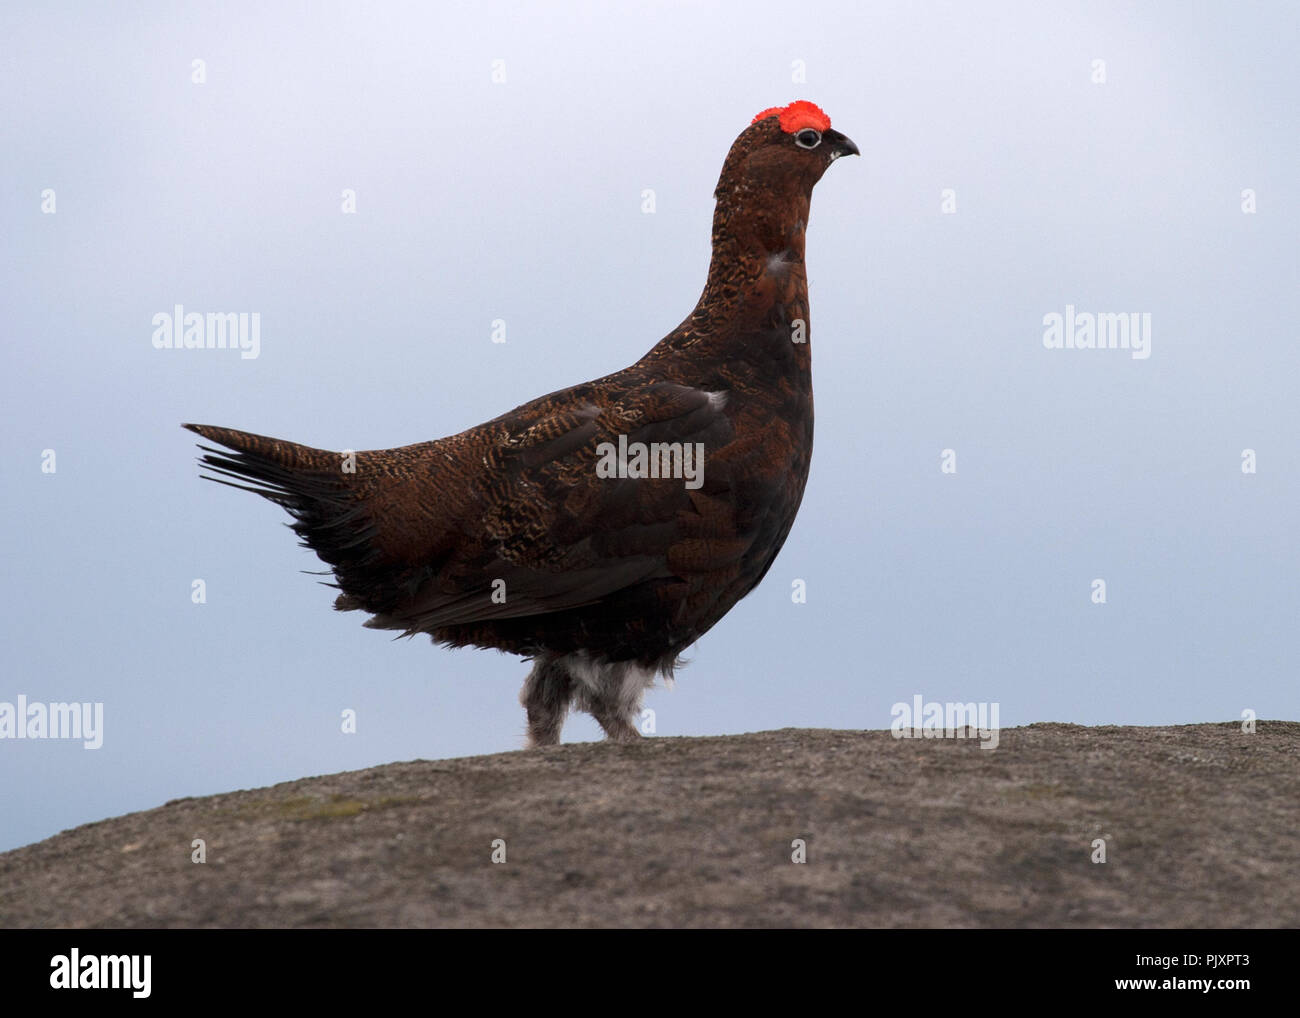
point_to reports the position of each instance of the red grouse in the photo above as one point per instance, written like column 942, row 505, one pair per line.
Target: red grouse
column 600, row 530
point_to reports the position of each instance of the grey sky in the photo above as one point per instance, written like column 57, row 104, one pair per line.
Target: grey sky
column 522, row 201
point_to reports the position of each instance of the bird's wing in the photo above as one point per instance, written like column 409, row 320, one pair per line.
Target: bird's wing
column 521, row 517
column 512, row 518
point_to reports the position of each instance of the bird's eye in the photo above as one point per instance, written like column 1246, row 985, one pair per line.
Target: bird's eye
column 808, row 138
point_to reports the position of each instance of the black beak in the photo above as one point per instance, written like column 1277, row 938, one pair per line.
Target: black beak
column 840, row 144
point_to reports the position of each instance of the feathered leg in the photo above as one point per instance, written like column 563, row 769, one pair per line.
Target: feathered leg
column 545, row 696
column 618, row 725
column 611, row 692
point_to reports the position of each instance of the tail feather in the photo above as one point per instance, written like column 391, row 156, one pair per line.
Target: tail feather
column 329, row 512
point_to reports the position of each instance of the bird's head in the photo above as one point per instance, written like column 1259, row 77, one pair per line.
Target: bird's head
column 785, row 149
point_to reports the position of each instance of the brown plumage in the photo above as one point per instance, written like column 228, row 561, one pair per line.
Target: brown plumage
column 511, row 534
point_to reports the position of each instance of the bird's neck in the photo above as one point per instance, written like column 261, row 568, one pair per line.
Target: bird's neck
column 756, row 295
column 752, row 318
column 754, row 229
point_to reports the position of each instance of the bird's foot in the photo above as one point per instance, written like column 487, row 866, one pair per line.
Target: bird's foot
column 619, row 729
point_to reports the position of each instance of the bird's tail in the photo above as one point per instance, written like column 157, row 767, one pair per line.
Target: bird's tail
column 315, row 486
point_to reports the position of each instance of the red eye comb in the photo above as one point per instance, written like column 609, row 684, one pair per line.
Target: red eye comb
column 797, row 116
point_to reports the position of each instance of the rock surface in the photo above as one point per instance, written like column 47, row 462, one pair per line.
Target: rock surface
column 1200, row 824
